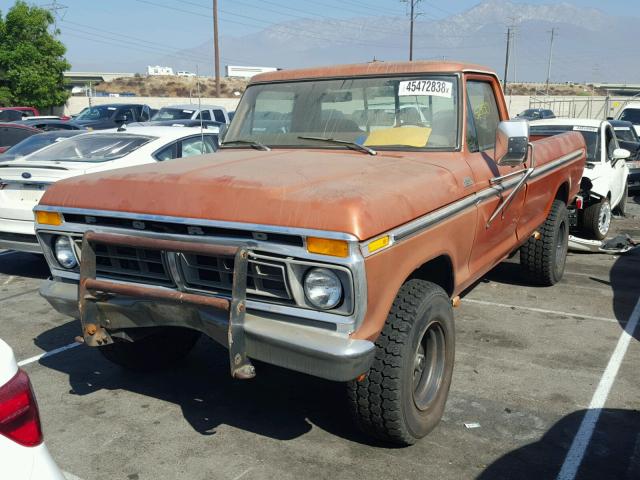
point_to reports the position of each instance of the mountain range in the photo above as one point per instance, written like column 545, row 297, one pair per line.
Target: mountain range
column 590, row 45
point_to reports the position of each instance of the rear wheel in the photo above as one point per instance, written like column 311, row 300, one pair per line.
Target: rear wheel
column 159, row 349
column 543, row 260
column 403, row 396
column 596, row 219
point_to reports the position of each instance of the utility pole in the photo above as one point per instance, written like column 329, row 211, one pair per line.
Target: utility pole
column 553, row 32
column 216, row 51
column 506, row 62
column 412, row 18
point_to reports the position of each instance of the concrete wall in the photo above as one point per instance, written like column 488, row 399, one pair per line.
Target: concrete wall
column 75, row 104
column 563, row 106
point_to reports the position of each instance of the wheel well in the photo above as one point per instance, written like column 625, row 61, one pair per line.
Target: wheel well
column 563, row 193
column 438, row 270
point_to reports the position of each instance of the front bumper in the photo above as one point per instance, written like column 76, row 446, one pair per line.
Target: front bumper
column 18, row 235
column 270, row 338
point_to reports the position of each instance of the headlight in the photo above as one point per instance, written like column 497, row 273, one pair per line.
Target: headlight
column 64, row 252
column 322, row 288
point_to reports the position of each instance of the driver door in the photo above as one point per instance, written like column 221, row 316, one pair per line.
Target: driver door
column 618, row 169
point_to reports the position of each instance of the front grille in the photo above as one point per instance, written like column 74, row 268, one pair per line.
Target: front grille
column 137, row 265
column 182, row 229
column 215, row 274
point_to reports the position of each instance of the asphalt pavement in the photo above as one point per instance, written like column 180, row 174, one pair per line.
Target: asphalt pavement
column 546, row 382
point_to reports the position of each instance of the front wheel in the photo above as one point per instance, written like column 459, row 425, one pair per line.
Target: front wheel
column 403, row 396
column 159, row 349
column 597, row 219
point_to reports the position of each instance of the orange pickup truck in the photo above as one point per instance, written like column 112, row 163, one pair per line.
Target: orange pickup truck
column 348, row 208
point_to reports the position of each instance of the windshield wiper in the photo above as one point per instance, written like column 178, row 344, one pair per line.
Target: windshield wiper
column 252, row 143
column 352, row 145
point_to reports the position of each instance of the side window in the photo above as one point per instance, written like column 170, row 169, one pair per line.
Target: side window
column 472, row 136
column 197, row 146
column 610, row 142
column 204, row 114
column 167, row 153
column 485, row 113
column 219, row 116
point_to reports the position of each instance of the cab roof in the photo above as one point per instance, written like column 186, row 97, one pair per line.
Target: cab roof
column 375, row 68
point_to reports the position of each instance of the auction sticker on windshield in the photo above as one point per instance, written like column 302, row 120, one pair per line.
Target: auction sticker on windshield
column 580, row 128
column 435, row 88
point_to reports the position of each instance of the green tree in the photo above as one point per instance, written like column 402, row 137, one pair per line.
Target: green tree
column 31, row 58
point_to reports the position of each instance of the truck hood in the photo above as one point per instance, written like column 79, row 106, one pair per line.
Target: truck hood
column 326, row 190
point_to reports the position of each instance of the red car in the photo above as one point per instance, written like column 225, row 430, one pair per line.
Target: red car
column 10, row 134
column 10, row 114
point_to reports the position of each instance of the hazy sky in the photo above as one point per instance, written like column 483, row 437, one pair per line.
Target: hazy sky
column 99, row 34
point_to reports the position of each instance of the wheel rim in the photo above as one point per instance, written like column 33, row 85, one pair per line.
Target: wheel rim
column 604, row 220
column 428, row 366
column 561, row 247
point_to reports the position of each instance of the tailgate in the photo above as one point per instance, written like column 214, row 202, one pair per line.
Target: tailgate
column 17, row 199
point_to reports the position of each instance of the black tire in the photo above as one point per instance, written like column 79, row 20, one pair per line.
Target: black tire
column 398, row 401
column 543, row 260
column 622, row 206
column 596, row 219
column 158, row 350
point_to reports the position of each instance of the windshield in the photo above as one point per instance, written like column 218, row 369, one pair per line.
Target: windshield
column 530, row 113
column 626, row 134
column 96, row 113
column 99, row 147
column 173, row 114
column 381, row 112
column 631, row 115
column 36, row 142
column 590, row 135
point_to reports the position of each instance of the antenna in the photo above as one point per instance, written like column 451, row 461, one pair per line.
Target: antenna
column 200, row 110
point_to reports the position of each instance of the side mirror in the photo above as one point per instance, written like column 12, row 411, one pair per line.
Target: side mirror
column 120, row 119
column 620, row 154
column 609, row 118
column 512, row 142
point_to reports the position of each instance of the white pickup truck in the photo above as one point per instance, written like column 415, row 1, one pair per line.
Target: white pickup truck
column 604, row 182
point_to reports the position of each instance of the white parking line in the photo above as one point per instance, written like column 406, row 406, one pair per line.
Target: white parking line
column 50, row 353
column 583, row 437
column 540, row 310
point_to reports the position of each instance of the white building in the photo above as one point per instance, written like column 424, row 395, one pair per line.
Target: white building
column 247, row 72
column 184, row 73
column 158, row 70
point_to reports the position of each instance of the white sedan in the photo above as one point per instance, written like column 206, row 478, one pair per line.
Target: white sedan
column 604, row 180
column 23, row 181
column 23, row 454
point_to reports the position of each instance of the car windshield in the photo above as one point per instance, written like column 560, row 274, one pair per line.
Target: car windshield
column 174, row 114
column 97, row 113
column 590, row 134
column 626, row 134
column 631, row 115
column 99, row 147
column 36, row 142
column 530, row 113
column 381, row 112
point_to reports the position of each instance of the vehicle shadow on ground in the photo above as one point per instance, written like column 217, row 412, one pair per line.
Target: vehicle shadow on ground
column 613, row 452
column 278, row 403
column 24, row 265
column 625, row 274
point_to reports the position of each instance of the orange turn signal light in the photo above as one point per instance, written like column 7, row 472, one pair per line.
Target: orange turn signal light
column 326, row 246
column 48, row 218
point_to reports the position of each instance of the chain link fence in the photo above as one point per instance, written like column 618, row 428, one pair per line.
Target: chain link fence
column 583, row 107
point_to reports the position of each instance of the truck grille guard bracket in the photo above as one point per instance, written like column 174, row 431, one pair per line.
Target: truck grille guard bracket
column 92, row 290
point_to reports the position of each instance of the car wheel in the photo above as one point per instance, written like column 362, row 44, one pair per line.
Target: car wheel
column 403, row 395
column 596, row 219
column 543, row 260
column 160, row 349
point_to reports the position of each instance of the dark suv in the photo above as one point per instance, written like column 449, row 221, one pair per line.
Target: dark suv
column 101, row 117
